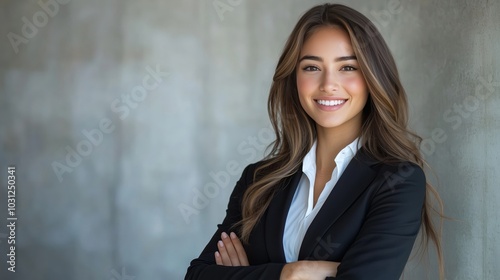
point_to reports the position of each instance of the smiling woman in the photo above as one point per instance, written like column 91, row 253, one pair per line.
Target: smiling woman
column 328, row 79
column 342, row 194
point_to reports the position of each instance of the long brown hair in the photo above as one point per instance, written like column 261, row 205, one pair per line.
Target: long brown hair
column 385, row 135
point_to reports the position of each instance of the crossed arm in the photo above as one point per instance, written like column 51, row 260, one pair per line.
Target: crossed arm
column 231, row 253
column 380, row 250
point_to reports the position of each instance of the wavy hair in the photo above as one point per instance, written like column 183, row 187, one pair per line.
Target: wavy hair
column 384, row 132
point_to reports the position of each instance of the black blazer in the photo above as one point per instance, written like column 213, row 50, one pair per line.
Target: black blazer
column 369, row 223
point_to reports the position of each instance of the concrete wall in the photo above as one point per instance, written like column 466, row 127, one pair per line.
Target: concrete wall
column 140, row 104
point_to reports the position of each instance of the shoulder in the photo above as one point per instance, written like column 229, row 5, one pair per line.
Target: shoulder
column 393, row 171
column 404, row 182
column 247, row 176
column 249, row 171
column 404, row 170
column 254, row 170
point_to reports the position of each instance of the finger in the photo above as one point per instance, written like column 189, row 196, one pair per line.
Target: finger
column 240, row 250
column 218, row 258
column 231, row 251
column 223, row 253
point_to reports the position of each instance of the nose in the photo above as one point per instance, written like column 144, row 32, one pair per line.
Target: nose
column 329, row 82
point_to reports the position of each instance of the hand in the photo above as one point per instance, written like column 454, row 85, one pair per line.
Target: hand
column 310, row 270
column 231, row 251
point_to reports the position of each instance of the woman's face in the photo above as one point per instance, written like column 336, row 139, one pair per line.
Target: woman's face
column 332, row 89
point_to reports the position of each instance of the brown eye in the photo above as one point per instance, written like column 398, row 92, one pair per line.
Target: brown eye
column 310, row 68
column 348, row 68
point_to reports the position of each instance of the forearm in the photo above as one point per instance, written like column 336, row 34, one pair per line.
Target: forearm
column 310, row 270
column 199, row 270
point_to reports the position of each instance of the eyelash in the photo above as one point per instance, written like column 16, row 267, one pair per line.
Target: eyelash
column 308, row 67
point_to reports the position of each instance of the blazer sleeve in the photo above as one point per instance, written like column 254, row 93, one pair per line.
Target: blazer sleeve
column 204, row 267
column 384, row 243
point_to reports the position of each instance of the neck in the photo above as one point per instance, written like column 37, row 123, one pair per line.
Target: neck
column 330, row 141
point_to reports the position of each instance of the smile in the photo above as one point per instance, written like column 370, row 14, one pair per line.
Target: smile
column 331, row 102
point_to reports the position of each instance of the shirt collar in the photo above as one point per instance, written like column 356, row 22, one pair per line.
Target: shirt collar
column 350, row 150
column 309, row 162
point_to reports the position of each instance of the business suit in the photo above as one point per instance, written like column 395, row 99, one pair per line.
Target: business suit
column 369, row 223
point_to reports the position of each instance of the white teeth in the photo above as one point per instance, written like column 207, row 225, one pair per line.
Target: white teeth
column 331, row 102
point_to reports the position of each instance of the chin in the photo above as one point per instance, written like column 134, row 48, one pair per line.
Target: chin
column 329, row 124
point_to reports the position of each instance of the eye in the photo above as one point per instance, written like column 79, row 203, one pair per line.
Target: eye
column 348, row 68
column 310, row 68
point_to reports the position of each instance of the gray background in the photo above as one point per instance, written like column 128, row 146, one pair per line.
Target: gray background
column 117, row 215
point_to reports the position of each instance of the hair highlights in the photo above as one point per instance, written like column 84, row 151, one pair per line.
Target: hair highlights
column 385, row 134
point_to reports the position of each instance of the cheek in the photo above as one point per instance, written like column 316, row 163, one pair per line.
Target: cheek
column 305, row 88
column 355, row 86
column 306, row 84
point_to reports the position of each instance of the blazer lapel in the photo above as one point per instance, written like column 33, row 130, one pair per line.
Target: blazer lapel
column 354, row 180
column 276, row 217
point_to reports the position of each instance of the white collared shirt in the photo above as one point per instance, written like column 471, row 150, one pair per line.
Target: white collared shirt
column 302, row 212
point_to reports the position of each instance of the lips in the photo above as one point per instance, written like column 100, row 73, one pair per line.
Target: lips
column 331, row 102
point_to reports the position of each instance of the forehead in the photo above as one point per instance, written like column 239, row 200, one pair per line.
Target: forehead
column 328, row 41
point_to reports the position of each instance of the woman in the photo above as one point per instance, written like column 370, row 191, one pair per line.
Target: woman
column 342, row 194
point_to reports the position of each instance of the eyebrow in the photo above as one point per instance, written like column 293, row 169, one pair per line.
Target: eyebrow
column 317, row 58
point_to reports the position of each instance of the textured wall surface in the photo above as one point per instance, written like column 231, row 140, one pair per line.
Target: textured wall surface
column 130, row 121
